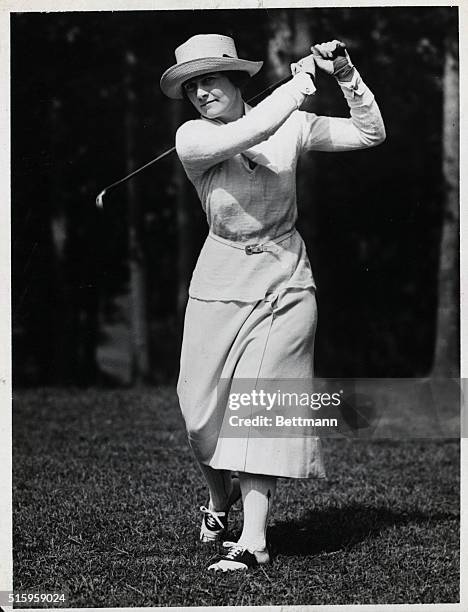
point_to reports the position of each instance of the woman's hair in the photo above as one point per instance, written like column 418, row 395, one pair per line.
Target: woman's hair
column 238, row 78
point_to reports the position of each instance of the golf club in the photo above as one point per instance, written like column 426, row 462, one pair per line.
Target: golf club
column 339, row 51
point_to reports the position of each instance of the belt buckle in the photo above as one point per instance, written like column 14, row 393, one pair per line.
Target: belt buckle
column 250, row 249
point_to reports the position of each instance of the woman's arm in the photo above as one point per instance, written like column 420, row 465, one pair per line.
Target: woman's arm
column 201, row 144
column 365, row 128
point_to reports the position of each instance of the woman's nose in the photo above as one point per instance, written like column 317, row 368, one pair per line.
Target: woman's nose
column 201, row 93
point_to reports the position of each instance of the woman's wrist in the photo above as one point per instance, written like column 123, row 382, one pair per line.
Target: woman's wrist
column 343, row 69
column 300, row 86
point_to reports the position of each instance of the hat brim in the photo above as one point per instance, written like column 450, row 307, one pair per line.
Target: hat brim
column 172, row 79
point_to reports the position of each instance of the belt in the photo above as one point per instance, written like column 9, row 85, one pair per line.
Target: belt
column 251, row 249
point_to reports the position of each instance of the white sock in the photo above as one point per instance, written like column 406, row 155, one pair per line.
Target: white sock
column 220, row 486
column 257, row 496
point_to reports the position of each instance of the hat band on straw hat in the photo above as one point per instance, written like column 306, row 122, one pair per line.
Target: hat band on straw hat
column 203, row 54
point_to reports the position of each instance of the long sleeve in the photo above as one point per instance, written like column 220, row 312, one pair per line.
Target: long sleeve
column 201, row 144
column 365, row 127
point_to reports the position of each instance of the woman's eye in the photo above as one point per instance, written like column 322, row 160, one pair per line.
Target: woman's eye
column 189, row 87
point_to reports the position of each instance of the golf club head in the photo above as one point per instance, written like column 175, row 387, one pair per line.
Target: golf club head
column 100, row 199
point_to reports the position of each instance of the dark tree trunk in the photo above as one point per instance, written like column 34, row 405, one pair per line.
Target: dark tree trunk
column 63, row 338
column 137, row 265
column 184, row 233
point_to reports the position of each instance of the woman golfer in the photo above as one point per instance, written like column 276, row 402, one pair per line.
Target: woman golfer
column 252, row 312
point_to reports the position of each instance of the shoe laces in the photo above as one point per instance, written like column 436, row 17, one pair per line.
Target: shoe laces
column 235, row 550
column 212, row 519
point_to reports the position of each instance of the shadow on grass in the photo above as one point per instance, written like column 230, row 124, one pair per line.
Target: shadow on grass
column 339, row 529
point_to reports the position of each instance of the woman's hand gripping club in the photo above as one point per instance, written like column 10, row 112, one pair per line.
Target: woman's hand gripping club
column 331, row 57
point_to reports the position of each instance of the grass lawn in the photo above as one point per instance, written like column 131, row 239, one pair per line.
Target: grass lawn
column 106, row 506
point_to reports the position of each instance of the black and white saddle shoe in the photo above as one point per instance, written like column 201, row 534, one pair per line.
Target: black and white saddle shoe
column 214, row 524
column 238, row 558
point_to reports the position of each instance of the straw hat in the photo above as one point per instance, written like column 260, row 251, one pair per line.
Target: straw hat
column 202, row 54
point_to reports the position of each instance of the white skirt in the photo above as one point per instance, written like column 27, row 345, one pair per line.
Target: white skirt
column 271, row 339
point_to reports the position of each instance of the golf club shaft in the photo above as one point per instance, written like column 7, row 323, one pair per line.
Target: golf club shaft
column 112, row 186
column 99, row 198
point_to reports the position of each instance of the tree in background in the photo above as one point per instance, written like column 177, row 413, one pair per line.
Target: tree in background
column 184, row 230
column 447, row 345
column 136, row 253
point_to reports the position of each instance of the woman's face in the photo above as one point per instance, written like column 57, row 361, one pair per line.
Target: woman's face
column 215, row 97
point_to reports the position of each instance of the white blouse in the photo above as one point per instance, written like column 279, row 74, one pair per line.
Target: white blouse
column 246, row 206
